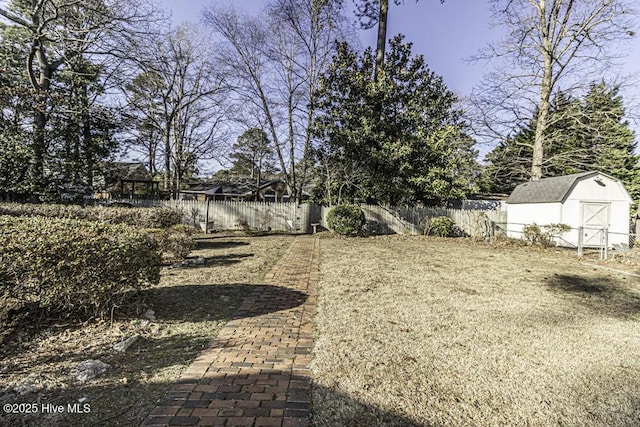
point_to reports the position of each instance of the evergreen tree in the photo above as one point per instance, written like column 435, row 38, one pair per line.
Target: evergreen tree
column 394, row 140
column 15, row 111
column 81, row 129
column 584, row 134
column 53, row 36
column 253, row 155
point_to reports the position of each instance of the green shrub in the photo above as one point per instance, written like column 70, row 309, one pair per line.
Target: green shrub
column 176, row 241
column 179, row 243
column 544, row 236
column 159, row 217
column 73, row 267
column 347, row 220
column 156, row 217
column 442, row 226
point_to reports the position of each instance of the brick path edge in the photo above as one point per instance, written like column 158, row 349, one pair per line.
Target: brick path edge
column 256, row 372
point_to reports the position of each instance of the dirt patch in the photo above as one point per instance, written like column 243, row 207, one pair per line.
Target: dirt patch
column 427, row 331
column 188, row 307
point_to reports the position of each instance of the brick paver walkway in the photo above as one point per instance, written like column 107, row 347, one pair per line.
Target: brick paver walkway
column 256, row 372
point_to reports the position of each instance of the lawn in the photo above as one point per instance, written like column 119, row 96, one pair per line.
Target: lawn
column 190, row 305
column 426, row 331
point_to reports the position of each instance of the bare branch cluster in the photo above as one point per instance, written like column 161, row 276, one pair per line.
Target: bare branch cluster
column 550, row 46
column 273, row 63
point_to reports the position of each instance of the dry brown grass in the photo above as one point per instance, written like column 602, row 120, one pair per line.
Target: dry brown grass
column 425, row 331
column 190, row 304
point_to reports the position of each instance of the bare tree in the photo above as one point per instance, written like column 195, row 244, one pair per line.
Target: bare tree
column 274, row 63
column 176, row 100
column 550, row 46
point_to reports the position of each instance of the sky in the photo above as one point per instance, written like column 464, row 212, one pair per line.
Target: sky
column 446, row 34
column 435, row 29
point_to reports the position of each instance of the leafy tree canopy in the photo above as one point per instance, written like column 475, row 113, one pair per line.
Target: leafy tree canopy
column 395, row 140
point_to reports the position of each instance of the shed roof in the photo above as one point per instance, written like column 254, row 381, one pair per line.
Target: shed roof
column 549, row 190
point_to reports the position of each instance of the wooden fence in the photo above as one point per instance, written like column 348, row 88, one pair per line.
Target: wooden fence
column 219, row 215
column 292, row 217
column 383, row 220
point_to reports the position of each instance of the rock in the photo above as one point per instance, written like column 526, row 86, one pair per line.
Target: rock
column 143, row 323
column 90, row 369
column 26, row 388
column 149, row 314
column 200, row 260
column 31, row 384
column 122, row 346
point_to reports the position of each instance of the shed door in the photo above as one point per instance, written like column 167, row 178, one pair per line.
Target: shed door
column 595, row 217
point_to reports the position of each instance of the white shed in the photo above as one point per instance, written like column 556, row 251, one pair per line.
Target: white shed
column 591, row 200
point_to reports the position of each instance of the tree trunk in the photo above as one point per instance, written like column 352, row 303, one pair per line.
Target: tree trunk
column 41, row 85
column 544, row 106
column 259, row 173
column 36, row 168
column 538, row 143
column 293, row 189
column 167, row 157
column 87, row 138
column 382, row 36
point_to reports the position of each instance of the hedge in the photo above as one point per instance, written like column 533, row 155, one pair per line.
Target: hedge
column 176, row 242
column 72, row 267
column 156, row 217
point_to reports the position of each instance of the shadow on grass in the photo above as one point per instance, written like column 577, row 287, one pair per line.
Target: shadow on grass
column 140, row 377
column 122, row 396
column 113, row 404
column 186, row 303
column 195, row 303
column 210, row 261
column 229, row 259
column 208, row 243
column 605, row 295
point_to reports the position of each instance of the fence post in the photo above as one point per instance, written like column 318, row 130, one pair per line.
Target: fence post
column 206, row 218
column 605, row 232
column 580, row 240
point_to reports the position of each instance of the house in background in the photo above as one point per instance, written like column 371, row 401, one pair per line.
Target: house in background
column 587, row 201
column 126, row 179
column 269, row 191
column 221, row 191
column 273, row 191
